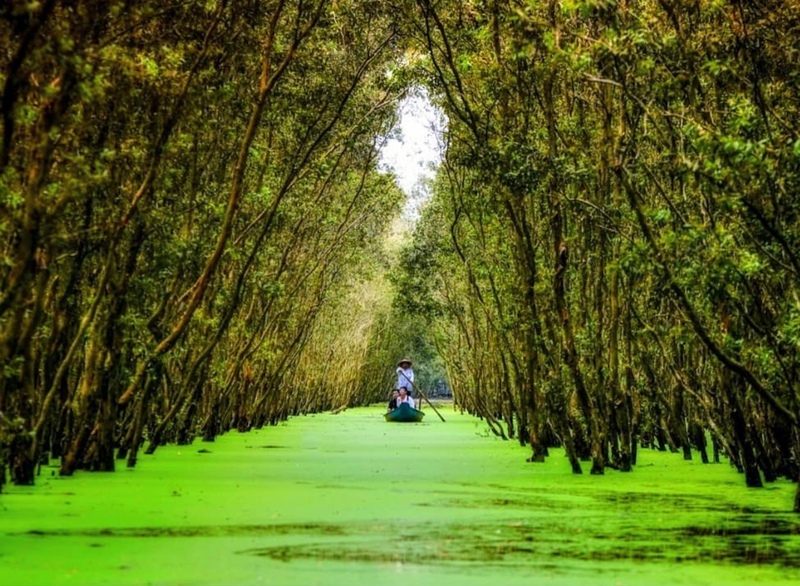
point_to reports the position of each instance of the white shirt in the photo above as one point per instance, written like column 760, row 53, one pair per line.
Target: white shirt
column 405, row 378
column 409, row 399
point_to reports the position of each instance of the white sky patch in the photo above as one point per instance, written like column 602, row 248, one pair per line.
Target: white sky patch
column 413, row 151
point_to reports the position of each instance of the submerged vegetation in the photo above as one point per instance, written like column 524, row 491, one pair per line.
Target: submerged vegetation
column 195, row 238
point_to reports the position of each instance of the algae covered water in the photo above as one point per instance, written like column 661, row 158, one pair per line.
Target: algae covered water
column 349, row 499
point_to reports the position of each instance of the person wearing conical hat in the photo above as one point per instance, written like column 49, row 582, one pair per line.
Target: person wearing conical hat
column 405, row 375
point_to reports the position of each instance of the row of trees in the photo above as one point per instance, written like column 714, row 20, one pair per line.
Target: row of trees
column 192, row 225
column 611, row 257
column 189, row 204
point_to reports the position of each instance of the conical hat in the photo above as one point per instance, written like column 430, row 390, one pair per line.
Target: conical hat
column 403, row 361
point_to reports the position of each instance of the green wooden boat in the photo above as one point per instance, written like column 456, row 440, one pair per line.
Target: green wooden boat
column 404, row 414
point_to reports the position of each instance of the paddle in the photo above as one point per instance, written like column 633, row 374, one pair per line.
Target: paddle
column 416, row 388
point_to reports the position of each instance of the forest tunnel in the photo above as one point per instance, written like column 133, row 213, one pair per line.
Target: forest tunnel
column 198, row 234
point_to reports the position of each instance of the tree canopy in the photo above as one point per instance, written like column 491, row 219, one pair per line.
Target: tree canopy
column 194, row 228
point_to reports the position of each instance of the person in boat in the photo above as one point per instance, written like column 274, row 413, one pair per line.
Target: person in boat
column 405, row 374
column 405, row 397
column 393, row 400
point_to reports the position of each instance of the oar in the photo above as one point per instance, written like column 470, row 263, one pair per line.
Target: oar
column 424, row 397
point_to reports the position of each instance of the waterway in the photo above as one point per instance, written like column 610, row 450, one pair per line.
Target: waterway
column 348, row 499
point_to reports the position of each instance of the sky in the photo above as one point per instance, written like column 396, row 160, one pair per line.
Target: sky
column 414, row 149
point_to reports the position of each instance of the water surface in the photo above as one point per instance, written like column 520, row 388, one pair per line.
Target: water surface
column 349, row 499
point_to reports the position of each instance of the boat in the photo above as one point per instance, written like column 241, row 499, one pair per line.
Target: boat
column 404, row 414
